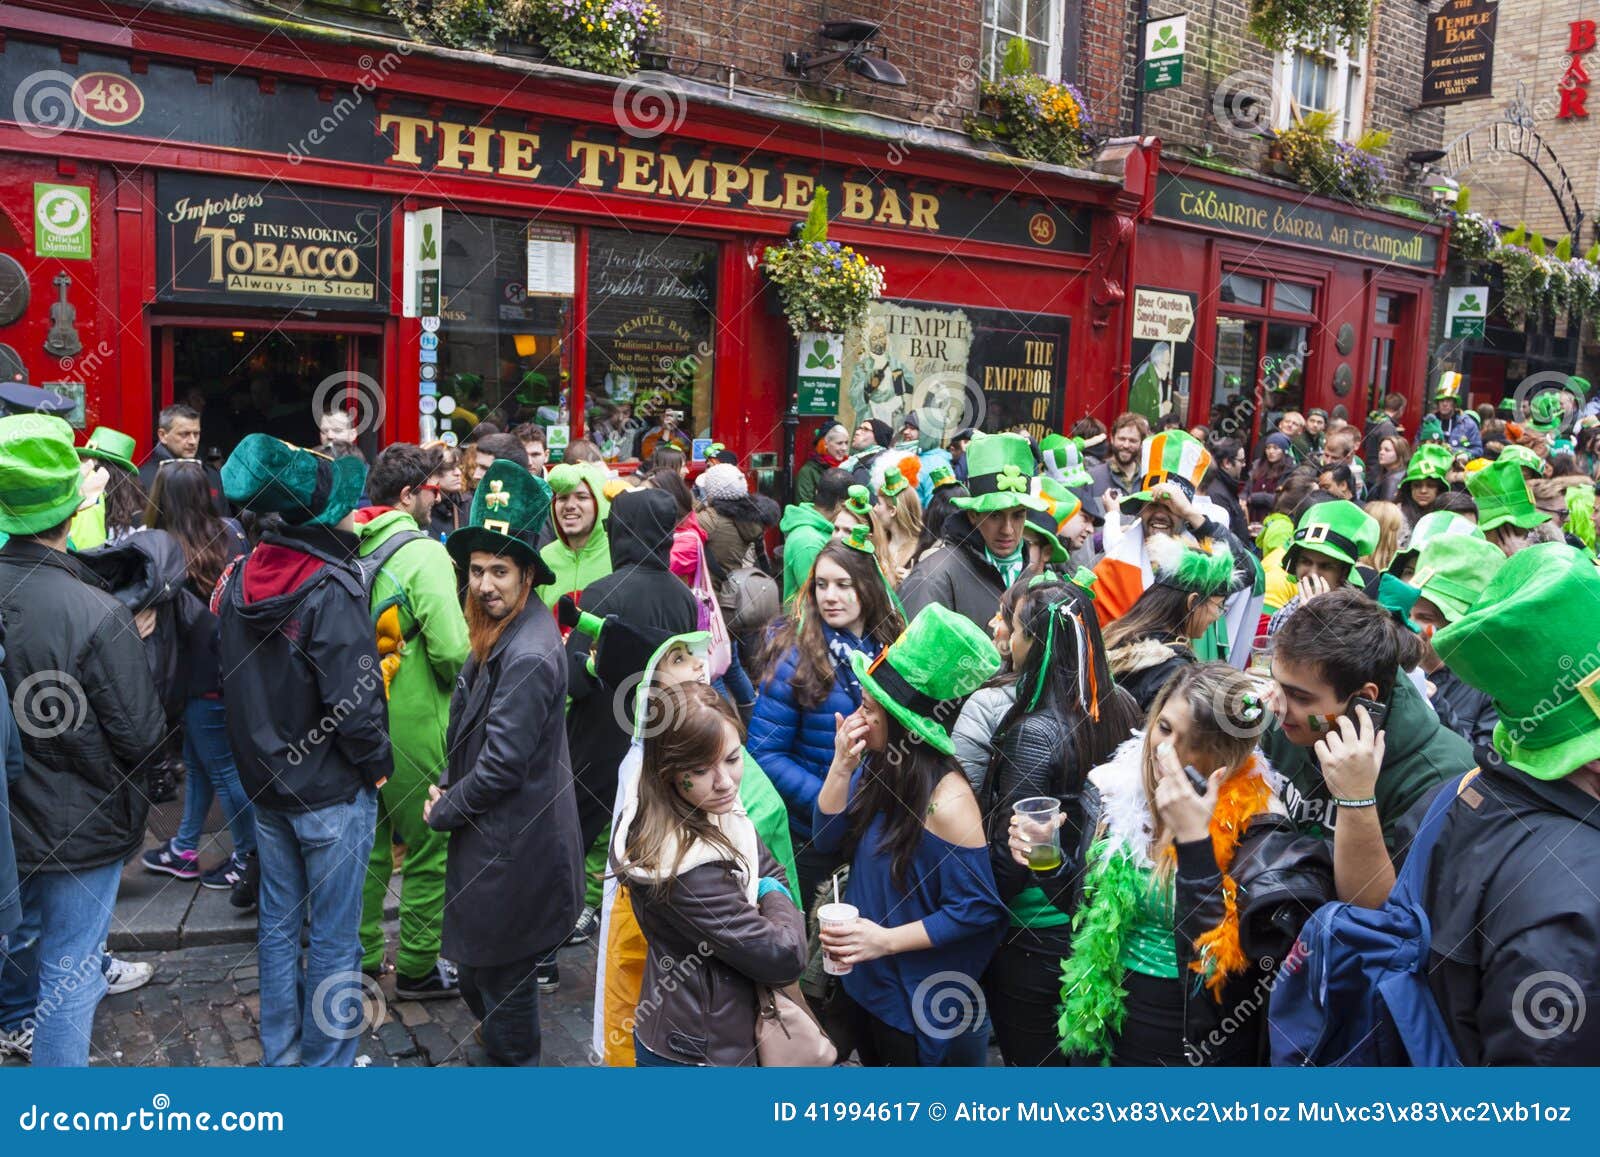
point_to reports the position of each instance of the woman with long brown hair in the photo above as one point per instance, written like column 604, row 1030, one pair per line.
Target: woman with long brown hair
column 451, row 509
column 844, row 610
column 698, row 874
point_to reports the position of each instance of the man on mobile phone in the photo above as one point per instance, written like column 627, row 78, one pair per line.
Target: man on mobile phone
column 1348, row 777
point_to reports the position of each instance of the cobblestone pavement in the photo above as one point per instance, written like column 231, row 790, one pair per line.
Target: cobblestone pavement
column 202, row 1008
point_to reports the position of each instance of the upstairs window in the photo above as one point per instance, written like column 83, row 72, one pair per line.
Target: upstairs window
column 1038, row 22
column 1326, row 78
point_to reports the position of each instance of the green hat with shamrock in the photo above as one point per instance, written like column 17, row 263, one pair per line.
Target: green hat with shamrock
column 1432, row 525
column 1523, row 457
column 509, row 510
column 1430, row 461
column 267, row 475
column 1453, row 570
column 39, row 473
column 1531, row 642
column 1199, row 570
column 1545, row 413
column 1502, row 495
column 922, row 677
column 1339, row 530
column 1172, row 456
column 999, row 471
column 111, row 446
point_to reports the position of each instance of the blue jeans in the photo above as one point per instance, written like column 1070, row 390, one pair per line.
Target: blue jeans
column 312, row 866
column 212, row 774
column 55, row 982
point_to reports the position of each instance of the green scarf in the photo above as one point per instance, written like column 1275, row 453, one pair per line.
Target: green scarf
column 1010, row 568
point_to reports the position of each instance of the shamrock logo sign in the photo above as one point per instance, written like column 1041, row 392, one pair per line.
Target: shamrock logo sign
column 1471, row 304
column 819, row 357
column 1166, row 37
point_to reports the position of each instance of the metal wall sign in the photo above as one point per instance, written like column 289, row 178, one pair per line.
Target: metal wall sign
column 1459, row 61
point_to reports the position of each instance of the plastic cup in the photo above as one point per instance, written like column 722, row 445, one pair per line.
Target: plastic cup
column 1261, row 658
column 836, row 915
column 1038, row 814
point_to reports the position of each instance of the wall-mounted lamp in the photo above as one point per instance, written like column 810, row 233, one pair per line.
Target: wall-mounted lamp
column 855, row 56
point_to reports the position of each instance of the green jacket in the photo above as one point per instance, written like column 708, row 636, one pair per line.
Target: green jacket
column 805, row 533
column 1419, row 752
column 576, row 569
column 770, row 815
column 423, row 577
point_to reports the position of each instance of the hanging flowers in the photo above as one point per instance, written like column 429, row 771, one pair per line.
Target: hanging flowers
column 825, row 287
column 1040, row 120
column 1533, row 280
column 1351, row 172
column 593, row 35
column 1281, row 24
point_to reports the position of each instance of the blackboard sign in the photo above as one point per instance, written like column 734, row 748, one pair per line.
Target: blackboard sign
column 1459, row 65
column 247, row 243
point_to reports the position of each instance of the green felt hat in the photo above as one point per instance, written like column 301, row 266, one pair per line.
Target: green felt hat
column 1502, row 495
column 1173, row 456
column 999, row 470
column 509, row 510
column 1340, row 530
column 1507, row 407
column 112, row 446
column 894, row 482
column 1523, row 457
column 1063, row 458
column 941, row 476
column 1452, row 571
column 1531, row 643
column 1430, row 461
column 1199, row 570
column 860, row 538
column 1434, row 524
column 39, row 473
column 921, row 677
column 1579, row 386
column 858, row 501
column 1545, row 413
column 1429, row 430
column 267, row 475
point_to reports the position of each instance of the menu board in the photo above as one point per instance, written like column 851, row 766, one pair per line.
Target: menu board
column 552, row 258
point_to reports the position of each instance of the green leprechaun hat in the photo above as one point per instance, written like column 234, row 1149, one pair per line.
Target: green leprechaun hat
column 267, row 475
column 39, row 473
column 1063, row 459
column 1061, row 506
column 941, row 476
column 894, row 482
column 1502, row 495
column 1430, row 461
column 1432, row 525
column 1523, row 457
column 1449, row 387
column 921, row 677
column 858, row 501
column 1429, row 431
column 1507, row 408
column 509, row 510
column 1541, row 605
column 1172, row 456
column 1199, row 570
column 1545, row 413
column 1453, row 570
column 111, row 446
column 999, row 471
column 1340, row 530
column 1579, row 386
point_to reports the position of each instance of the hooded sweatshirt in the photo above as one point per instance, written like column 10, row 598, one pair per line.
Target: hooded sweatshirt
column 805, row 533
column 576, row 569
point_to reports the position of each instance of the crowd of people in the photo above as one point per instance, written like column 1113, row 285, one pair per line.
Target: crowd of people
column 1085, row 750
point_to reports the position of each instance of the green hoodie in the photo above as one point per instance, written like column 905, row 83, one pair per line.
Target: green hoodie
column 436, row 632
column 805, row 533
column 576, row 569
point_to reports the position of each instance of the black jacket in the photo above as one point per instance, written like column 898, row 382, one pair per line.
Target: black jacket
column 1514, row 900
column 76, row 674
column 1224, row 493
column 1143, row 667
column 10, row 772
column 514, row 874
column 1463, row 708
column 307, row 717
column 644, row 593
column 958, row 575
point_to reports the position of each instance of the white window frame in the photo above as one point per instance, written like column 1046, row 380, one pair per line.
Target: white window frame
column 997, row 38
column 1347, row 86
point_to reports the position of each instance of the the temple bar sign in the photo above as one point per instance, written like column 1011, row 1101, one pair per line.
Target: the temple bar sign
column 1459, row 65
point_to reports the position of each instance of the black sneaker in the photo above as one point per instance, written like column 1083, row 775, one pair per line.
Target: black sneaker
column 588, row 924
column 440, row 984
column 548, row 977
column 170, row 862
column 225, row 875
column 248, row 886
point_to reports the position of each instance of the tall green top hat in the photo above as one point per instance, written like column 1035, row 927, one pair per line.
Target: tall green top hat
column 509, row 509
column 1502, row 495
column 1548, row 691
column 1430, row 461
column 1545, row 413
column 269, row 476
column 1579, row 386
column 1449, row 387
column 921, row 677
column 1523, row 457
column 1061, row 506
column 1171, row 456
column 112, row 446
column 999, row 470
column 1340, row 530
column 1432, row 525
column 38, row 473
column 1063, row 459
column 1452, row 571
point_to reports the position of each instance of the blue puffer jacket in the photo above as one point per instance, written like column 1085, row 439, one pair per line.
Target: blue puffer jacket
column 794, row 744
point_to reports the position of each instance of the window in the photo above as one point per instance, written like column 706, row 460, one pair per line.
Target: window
column 1292, row 297
column 1036, row 21
column 1327, row 78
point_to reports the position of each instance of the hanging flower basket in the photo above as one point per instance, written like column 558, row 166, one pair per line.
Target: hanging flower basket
column 1533, row 280
column 602, row 36
column 1282, row 24
column 1038, row 119
column 823, row 286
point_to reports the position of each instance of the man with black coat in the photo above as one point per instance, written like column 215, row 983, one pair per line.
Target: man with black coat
column 178, row 440
column 309, row 728
column 77, row 679
column 514, row 874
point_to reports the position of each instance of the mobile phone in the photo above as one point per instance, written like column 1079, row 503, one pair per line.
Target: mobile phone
column 1196, row 780
column 1377, row 712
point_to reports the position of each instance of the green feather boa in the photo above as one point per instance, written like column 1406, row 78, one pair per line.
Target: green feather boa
column 1093, row 1001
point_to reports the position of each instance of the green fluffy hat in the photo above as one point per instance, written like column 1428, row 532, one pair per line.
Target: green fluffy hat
column 509, row 510
column 1434, row 524
column 1340, row 530
column 1502, row 495
column 267, row 475
column 1452, row 571
column 1545, row 412
column 921, row 677
column 1531, row 642
column 1198, row 570
column 999, row 472
column 39, row 473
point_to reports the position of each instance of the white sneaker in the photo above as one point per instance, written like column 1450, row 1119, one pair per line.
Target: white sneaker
column 18, row 1042
column 127, row 975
